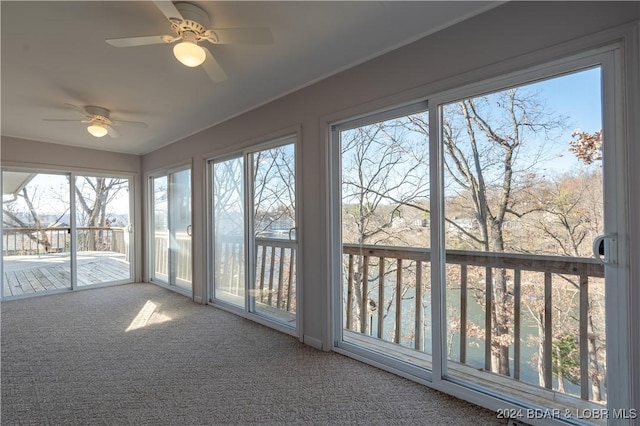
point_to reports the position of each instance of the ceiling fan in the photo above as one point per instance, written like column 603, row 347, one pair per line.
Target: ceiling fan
column 189, row 23
column 98, row 119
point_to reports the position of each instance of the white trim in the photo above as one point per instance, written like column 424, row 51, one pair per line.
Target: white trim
column 72, row 174
column 632, row 128
column 1, row 243
column 313, row 342
column 438, row 260
column 72, row 230
column 246, row 154
column 239, row 147
column 333, row 335
column 554, row 60
column 334, row 207
column 260, row 319
column 525, row 62
column 149, row 271
column 170, row 168
column 55, row 169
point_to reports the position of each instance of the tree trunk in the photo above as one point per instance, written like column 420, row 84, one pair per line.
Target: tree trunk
column 500, row 310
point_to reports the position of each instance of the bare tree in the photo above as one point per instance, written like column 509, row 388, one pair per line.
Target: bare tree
column 384, row 184
column 489, row 155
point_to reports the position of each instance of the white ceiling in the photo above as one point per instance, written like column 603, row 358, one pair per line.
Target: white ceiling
column 54, row 52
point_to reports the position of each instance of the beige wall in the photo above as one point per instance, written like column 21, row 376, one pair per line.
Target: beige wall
column 31, row 154
column 23, row 151
column 428, row 64
column 460, row 54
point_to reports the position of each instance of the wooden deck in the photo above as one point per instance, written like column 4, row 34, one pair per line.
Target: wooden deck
column 41, row 273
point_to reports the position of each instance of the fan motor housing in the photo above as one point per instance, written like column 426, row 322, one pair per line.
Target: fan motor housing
column 195, row 14
column 96, row 110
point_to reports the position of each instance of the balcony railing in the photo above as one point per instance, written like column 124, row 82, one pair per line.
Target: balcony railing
column 393, row 270
column 182, row 255
column 275, row 274
column 36, row 241
column 409, row 264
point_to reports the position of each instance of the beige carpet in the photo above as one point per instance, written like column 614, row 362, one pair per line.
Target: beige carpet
column 141, row 355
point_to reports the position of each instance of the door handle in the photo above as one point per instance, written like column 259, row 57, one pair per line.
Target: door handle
column 294, row 229
column 605, row 249
column 189, row 230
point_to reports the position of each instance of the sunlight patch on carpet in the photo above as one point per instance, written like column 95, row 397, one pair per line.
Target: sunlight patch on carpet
column 147, row 316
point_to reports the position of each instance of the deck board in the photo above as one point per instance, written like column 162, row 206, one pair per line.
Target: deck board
column 42, row 273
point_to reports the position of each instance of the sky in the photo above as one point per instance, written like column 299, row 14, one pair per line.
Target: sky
column 577, row 96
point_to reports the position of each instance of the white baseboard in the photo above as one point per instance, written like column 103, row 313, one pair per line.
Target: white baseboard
column 313, row 342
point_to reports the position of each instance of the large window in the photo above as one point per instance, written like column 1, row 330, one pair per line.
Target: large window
column 171, row 229
column 50, row 242
column 254, row 240
column 385, row 233
column 467, row 232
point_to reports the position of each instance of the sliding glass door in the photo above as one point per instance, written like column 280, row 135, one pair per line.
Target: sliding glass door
column 254, row 241
column 171, row 229
column 104, row 231
column 273, row 232
column 228, row 231
column 385, row 235
column 36, row 218
column 64, row 231
column 479, row 239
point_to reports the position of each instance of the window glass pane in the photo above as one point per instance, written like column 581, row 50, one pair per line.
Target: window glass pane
column 160, row 229
column 386, row 237
column 102, row 229
column 523, row 202
column 36, row 232
column 180, row 228
column 229, row 231
column 274, row 227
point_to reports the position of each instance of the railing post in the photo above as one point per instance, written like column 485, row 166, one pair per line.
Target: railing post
column 487, row 317
column 381, row 280
column 419, row 325
column 350, row 295
column 280, row 279
column 398, row 302
column 364, row 308
column 463, row 313
column 263, row 258
column 516, row 322
column 291, row 287
column 584, row 336
column 271, row 271
column 548, row 335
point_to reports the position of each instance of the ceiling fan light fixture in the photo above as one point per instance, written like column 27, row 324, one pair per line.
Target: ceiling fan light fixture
column 189, row 53
column 97, row 130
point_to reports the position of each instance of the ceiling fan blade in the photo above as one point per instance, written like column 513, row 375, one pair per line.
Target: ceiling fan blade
column 169, row 10
column 130, row 123
column 76, row 108
column 240, row 36
column 112, row 132
column 213, row 68
column 57, row 119
column 136, row 41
